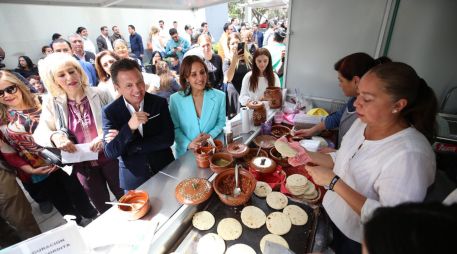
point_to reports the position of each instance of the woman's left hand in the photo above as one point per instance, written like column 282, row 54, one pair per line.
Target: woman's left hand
column 321, row 175
column 96, row 145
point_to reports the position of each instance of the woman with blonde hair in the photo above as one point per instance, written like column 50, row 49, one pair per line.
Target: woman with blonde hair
column 72, row 115
column 236, row 64
column 155, row 41
column 168, row 83
column 103, row 62
column 20, row 114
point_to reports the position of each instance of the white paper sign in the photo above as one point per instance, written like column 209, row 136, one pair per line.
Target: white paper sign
column 65, row 239
column 83, row 153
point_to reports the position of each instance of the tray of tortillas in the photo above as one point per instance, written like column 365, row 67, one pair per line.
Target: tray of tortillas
column 269, row 216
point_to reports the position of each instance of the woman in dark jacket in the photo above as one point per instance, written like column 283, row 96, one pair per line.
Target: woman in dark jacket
column 26, row 67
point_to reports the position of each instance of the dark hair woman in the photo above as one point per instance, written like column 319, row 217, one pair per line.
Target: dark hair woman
column 156, row 57
column 26, row 67
column 385, row 158
column 198, row 111
column 419, row 228
column 262, row 76
column 103, row 63
column 350, row 70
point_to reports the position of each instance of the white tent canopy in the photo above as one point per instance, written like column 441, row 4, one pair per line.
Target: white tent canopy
column 139, row 4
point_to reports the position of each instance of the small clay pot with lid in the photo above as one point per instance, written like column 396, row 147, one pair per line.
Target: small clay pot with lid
column 193, row 191
column 263, row 165
column 274, row 96
column 260, row 113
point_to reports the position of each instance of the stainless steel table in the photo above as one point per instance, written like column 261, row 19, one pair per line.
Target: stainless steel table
column 161, row 227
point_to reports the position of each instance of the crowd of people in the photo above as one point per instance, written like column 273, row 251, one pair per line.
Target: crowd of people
column 104, row 94
column 131, row 103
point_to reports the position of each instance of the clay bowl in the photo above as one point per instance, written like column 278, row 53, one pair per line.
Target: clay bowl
column 276, row 156
column 140, row 200
column 220, row 162
column 252, row 153
column 202, row 156
column 237, row 150
column 279, row 130
column 268, row 141
column 224, row 184
column 219, row 145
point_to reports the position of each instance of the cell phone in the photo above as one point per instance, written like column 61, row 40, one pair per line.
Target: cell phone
column 240, row 48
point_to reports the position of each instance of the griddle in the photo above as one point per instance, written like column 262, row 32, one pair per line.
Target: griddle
column 299, row 238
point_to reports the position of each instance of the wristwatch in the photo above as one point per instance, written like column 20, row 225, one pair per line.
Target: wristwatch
column 332, row 183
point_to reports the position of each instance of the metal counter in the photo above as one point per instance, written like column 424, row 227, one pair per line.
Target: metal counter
column 158, row 231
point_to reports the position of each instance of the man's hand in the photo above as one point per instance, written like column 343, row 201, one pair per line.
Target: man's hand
column 63, row 143
column 96, row 145
column 137, row 119
column 111, row 135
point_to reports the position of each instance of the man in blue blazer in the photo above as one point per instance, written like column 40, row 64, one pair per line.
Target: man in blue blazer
column 137, row 127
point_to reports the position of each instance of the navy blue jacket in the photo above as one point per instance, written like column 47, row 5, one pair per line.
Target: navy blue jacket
column 140, row 157
column 136, row 44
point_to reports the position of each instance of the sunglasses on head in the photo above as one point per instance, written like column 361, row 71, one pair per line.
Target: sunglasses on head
column 11, row 90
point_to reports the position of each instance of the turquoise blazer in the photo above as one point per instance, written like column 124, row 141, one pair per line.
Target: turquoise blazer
column 188, row 126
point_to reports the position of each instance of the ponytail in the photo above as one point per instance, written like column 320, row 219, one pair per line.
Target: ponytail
column 422, row 113
column 402, row 82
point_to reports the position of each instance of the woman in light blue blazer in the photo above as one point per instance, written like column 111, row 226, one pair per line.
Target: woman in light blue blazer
column 198, row 111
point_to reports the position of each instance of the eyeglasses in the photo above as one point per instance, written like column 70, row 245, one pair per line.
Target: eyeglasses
column 11, row 90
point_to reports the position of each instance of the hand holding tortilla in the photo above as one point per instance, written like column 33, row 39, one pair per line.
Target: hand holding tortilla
column 297, row 155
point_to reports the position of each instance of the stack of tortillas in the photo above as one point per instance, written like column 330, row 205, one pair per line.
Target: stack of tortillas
column 300, row 187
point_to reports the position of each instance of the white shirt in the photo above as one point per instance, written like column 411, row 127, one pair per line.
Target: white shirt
column 151, row 79
column 132, row 110
column 109, row 86
column 108, row 42
column 394, row 170
column 247, row 95
column 89, row 45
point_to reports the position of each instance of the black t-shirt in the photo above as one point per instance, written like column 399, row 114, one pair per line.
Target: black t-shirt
column 215, row 73
column 240, row 72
